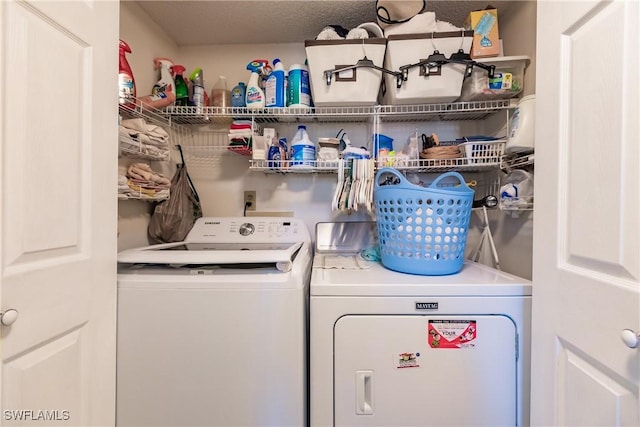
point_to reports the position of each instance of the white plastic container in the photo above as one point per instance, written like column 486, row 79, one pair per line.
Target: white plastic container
column 440, row 86
column 522, row 126
column 359, row 86
column 508, row 81
column 298, row 90
column 303, row 150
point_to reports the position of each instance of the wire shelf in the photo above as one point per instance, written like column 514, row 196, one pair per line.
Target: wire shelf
column 285, row 166
column 356, row 114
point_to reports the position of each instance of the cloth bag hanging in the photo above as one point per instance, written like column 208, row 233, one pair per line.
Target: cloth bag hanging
column 172, row 219
column 390, row 12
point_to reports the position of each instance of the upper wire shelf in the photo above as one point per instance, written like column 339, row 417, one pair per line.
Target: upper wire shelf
column 390, row 113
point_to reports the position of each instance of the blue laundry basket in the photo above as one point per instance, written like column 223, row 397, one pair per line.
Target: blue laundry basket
column 422, row 230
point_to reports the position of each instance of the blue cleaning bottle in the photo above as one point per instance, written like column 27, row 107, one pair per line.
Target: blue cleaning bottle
column 275, row 86
column 238, row 94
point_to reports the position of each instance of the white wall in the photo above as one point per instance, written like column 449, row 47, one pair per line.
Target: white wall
column 147, row 41
column 221, row 177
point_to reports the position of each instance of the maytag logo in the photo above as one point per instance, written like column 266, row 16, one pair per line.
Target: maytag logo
column 212, row 222
column 426, row 305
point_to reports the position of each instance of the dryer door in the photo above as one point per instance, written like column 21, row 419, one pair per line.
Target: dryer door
column 425, row 370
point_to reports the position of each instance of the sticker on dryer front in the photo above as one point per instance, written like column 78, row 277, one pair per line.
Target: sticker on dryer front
column 452, row 333
column 406, row 360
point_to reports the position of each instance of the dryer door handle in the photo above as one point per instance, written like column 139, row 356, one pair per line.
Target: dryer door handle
column 364, row 392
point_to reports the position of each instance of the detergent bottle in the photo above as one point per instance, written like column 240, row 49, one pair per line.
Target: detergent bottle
column 238, row 94
column 198, row 88
column 254, row 98
column 126, row 83
column 182, row 92
column 275, row 86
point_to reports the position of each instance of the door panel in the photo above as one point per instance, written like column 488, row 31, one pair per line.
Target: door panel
column 389, row 372
column 586, row 233
column 58, row 210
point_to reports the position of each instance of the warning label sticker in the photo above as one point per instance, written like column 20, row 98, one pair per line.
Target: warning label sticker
column 407, row 360
column 452, row 333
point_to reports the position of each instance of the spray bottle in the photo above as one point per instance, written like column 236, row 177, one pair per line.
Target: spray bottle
column 182, row 92
column 198, row 88
column 254, row 98
column 126, row 82
column 164, row 88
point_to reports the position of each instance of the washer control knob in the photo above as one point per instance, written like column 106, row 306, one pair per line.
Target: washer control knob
column 247, row 228
column 630, row 338
column 7, row 318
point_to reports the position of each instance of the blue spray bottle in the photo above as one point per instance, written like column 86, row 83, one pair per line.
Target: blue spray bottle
column 254, row 98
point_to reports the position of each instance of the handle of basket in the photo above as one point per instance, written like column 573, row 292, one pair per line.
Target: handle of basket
column 459, row 177
column 384, row 171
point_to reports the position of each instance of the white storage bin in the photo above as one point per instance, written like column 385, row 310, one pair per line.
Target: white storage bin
column 508, row 81
column 359, row 86
column 406, row 49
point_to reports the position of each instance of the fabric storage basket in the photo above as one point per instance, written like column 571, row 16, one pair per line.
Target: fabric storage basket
column 407, row 49
column 422, row 230
column 358, row 86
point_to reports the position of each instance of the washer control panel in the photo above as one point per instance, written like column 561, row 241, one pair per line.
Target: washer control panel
column 242, row 229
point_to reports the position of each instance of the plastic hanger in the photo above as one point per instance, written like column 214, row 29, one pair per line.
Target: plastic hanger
column 362, row 63
column 437, row 59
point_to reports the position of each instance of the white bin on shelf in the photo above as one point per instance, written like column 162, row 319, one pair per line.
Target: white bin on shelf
column 359, row 86
column 508, row 81
column 440, row 86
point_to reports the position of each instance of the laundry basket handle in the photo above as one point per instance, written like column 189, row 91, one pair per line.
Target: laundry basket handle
column 448, row 174
column 390, row 171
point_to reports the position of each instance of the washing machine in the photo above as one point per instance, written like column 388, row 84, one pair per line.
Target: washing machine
column 212, row 331
column 392, row 349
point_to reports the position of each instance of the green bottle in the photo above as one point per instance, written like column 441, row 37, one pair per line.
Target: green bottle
column 182, row 92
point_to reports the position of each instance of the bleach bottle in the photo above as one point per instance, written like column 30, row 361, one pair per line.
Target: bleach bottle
column 275, row 86
column 303, row 151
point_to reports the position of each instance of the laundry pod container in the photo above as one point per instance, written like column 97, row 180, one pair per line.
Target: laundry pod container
column 507, row 81
column 422, row 230
column 340, row 71
column 424, row 85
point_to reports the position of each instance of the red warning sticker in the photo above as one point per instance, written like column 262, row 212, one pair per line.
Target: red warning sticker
column 452, row 333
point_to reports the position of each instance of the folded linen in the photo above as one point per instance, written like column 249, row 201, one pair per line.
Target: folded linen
column 155, row 133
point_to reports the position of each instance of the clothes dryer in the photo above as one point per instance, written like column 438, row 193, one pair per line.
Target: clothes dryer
column 394, row 349
column 213, row 331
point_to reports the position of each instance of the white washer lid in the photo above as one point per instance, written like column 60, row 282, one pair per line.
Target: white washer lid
column 473, row 280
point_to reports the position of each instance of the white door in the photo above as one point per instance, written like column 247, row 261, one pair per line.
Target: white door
column 425, row 371
column 58, row 212
column 586, row 229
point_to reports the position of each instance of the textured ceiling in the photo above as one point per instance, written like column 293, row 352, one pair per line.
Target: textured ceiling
column 276, row 21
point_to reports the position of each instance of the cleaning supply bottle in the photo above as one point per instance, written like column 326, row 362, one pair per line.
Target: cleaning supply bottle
column 238, row 94
column 254, row 98
column 163, row 91
column 303, row 151
column 126, row 82
column 299, row 89
column 198, row 88
column 275, row 86
column 182, row 92
column 220, row 95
